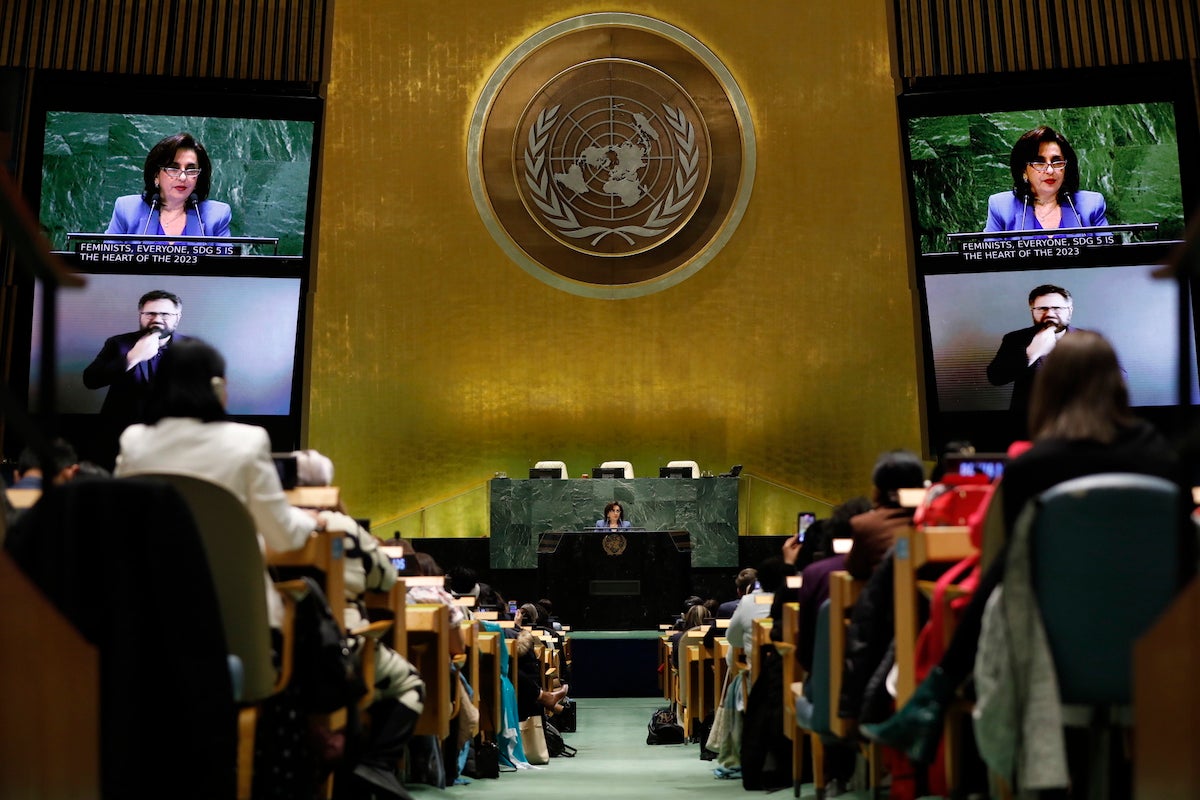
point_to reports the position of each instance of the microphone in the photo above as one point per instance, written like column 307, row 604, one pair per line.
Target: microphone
column 1024, row 208
column 194, row 201
column 1078, row 219
column 153, row 208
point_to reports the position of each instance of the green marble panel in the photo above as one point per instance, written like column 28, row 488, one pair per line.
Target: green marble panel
column 521, row 510
column 260, row 168
column 1128, row 153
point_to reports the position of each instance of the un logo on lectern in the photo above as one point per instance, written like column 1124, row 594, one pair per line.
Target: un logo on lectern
column 611, row 155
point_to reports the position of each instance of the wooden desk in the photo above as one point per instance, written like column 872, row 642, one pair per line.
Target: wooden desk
column 325, row 498
column 322, row 551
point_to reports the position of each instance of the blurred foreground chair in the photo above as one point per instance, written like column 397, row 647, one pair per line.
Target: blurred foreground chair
column 231, row 541
column 1104, row 554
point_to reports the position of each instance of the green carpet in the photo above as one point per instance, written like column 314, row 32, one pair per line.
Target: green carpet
column 614, row 762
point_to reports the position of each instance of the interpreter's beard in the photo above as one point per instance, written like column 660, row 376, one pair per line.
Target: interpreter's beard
column 160, row 328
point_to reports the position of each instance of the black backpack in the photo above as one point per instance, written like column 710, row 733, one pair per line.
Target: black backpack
column 556, row 746
column 664, row 728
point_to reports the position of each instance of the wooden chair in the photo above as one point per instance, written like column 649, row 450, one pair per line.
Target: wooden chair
column 912, row 550
column 691, row 702
column 792, row 687
column 428, row 627
column 843, row 594
column 488, row 689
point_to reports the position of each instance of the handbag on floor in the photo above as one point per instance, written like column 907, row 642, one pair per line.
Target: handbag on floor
column 566, row 720
column 533, row 740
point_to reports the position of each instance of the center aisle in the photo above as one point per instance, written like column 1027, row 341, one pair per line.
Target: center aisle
column 614, row 761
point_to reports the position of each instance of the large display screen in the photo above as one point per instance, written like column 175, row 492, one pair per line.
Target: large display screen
column 1083, row 180
column 243, row 282
column 252, row 321
column 969, row 313
column 1127, row 154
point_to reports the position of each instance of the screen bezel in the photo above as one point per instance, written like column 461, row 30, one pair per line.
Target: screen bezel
column 81, row 93
column 76, row 92
column 1166, row 83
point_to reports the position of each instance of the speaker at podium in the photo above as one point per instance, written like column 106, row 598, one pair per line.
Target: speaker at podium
column 615, row 579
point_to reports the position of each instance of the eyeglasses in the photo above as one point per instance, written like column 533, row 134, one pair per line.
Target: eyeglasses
column 1047, row 309
column 163, row 314
column 175, row 172
column 1041, row 166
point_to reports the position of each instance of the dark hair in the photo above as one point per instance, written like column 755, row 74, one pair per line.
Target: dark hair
column 839, row 518
column 745, row 580
column 1026, row 150
column 159, row 294
column 62, row 455
column 462, row 579
column 163, row 153
column 1047, row 288
column 895, row 470
column 1079, row 392
column 771, row 574
column 183, row 384
column 614, row 504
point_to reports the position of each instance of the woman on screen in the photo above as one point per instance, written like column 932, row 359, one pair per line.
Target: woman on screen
column 614, row 517
column 1045, row 193
column 174, row 200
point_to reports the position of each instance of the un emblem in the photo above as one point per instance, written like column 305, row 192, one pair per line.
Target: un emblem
column 611, row 155
column 618, row 163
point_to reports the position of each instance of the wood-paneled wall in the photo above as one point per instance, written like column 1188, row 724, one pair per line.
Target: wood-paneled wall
column 273, row 40
column 938, row 38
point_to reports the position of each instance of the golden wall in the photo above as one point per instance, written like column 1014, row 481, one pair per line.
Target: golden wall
column 436, row 361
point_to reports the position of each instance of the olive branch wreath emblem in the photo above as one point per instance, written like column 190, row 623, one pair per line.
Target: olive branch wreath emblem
column 562, row 216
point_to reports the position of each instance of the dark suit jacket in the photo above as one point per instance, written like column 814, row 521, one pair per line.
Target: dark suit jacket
column 128, row 390
column 1008, row 366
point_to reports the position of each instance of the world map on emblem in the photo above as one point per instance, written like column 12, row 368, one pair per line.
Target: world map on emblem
column 618, row 163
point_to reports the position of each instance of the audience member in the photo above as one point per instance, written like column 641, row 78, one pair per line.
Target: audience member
column 188, row 433
column 1082, row 425
column 696, row 616
column 64, row 464
column 740, row 632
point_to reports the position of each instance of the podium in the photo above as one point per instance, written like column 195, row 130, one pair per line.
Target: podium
column 615, row 579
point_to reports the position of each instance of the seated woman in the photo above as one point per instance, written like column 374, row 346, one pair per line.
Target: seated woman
column 696, row 617
column 1082, row 425
column 174, row 201
column 614, row 517
column 188, row 434
column 1045, row 193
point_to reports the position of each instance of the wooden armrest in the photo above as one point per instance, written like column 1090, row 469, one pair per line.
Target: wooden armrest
column 291, row 592
column 374, row 630
column 927, row 588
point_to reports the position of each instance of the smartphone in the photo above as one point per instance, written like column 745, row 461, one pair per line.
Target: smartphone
column 512, row 608
column 805, row 519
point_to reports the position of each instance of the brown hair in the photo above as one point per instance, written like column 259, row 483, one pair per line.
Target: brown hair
column 1079, row 393
column 696, row 616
